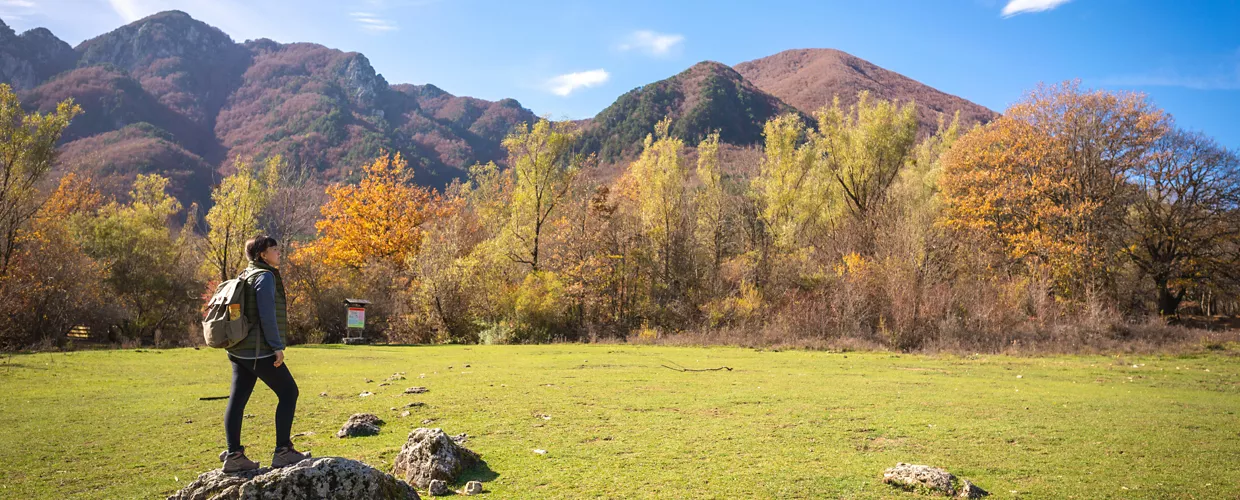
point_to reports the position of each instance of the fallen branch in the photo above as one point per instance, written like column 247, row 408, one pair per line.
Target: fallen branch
column 682, row 369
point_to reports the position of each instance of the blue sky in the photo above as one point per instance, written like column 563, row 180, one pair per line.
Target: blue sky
column 570, row 59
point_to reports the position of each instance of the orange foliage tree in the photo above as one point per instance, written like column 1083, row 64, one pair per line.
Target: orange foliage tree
column 379, row 219
column 1048, row 182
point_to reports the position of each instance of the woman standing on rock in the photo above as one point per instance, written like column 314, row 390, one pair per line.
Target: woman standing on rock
column 261, row 356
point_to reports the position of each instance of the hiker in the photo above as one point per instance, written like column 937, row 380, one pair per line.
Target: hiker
column 261, row 356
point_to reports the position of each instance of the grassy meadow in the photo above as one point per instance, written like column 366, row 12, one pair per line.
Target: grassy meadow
column 781, row 424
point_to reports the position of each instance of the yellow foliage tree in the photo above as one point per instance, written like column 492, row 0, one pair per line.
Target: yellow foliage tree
column 792, row 187
column 27, row 151
column 543, row 167
column 712, row 205
column 233, row 218
column 658, row 179
column 865, row 146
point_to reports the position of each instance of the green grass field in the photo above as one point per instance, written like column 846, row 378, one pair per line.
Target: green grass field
column 782, row 424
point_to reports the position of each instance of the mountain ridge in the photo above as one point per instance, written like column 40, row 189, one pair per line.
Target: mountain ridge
column 174, row 95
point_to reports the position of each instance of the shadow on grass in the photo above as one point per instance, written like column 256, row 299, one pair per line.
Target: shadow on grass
column 481, row 473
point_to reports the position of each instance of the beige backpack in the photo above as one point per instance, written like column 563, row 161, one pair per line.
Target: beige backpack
column 225, row 323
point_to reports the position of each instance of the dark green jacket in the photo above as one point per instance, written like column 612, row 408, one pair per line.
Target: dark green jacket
column 267, row 313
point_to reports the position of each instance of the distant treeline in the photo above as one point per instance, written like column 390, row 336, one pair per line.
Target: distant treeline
column 1080, row 218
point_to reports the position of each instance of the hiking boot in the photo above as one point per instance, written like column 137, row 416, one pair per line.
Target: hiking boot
column 287, row 456
column 237, row 462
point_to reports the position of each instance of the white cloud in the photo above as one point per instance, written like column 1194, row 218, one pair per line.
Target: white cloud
column 16, row 10
column 1015, row 7
column 655, row 44
column 372, row 23
column 564, row 85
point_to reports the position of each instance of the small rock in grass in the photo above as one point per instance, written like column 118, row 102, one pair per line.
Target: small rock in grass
column 300, row 434
column 970, row 490
column 913, row 477
column 438, row 488
column 365, row 394
column 323, row 394
column 473, row 488
column 479, row 484
column 385, row 384
column 369, row 381
column 415, row 404
column 416, row 390
column 360, row 424
column 541, row 452
column 460, row 438
column 404, row 413
column 428, row 421
column 910, row 477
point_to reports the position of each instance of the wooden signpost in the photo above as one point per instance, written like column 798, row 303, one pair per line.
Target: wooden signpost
column 355, row 321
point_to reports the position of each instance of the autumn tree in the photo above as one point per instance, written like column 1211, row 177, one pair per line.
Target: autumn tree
column 917, row 187
column 865, row 146
column 27, row 151
column 791, row 187
column 233, row 217
column 1100, row 138
column 150, row 267
column 52, row 285
column 1186, row 216
column 543, row 166
column 293, row 199
column 712, row 222
column 1048, row 181
column 380, row 219
column 658, row 178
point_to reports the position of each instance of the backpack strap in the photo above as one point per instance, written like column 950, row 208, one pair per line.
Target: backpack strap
column 250, row 273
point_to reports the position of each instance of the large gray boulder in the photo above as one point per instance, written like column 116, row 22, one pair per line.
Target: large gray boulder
column 431, row 454
column 327, row 478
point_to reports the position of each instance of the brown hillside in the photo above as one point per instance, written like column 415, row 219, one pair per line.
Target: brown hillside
column 810, row 78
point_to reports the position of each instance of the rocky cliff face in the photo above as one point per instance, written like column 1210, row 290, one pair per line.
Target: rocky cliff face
column 32, row 57
column 186, row 64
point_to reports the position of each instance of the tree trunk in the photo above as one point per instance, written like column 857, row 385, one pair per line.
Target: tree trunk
column 1168, row 302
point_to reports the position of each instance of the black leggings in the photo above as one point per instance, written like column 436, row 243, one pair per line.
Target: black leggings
column 245, row 373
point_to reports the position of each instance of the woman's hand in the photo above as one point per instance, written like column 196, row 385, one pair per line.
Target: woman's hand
column 279, row 359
